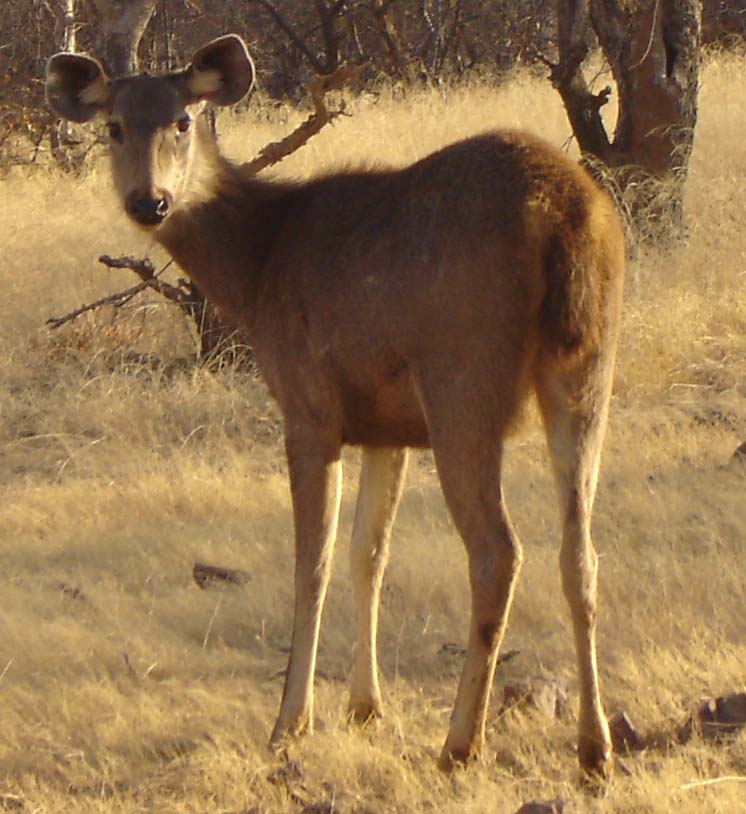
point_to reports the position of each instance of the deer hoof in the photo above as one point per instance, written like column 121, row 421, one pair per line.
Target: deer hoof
column 284, row 732
column 362, row 712
column 595, row 758
column 452, row 758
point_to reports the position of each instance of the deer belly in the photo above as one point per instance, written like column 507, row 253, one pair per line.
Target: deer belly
column 388, row 414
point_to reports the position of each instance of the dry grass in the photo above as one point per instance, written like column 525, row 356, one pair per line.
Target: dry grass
column 146, row 694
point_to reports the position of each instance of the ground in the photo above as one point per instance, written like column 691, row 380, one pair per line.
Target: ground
column 124, row 688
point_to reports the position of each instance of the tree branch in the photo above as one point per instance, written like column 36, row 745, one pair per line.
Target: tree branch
column 321, row 85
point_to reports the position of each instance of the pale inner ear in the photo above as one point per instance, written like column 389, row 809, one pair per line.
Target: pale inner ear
column 204, row 83
column 96, row 92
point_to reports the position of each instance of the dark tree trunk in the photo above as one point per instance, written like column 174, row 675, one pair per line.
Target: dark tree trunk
column 380, row 10
column 653, row 48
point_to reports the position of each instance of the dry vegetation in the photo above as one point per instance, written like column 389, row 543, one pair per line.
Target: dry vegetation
column 124, row 688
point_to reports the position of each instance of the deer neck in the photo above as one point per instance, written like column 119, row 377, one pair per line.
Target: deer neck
column 222, row 236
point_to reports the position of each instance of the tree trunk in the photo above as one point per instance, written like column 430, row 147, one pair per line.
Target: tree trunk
column 380, row 10
column 63, row 133
column 120, row 28
column 69, row 27
column 653, row 48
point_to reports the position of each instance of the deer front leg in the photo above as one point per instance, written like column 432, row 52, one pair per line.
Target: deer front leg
column 315, row 482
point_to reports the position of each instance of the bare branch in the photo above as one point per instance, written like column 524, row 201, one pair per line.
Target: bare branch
column 321, row 85
column 145, row 270
column 450, row 40
column 117, row 300
column 210, row 328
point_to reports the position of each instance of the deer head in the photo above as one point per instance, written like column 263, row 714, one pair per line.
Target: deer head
column 154, row 122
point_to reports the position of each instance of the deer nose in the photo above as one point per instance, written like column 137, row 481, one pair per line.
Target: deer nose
column 147, row 210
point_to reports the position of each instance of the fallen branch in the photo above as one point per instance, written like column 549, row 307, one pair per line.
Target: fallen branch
column 214, row 335
column 143, row 268
column 180, row 294
column 117, row 300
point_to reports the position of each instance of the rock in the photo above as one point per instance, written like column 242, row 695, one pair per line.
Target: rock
column 454, row 649
column 731, row 711
column 739, row 455
column 504, row 656
column 624, row 736
column 290, row 772
column 545, row 695
column 451, row 649
column 205, row 575
column 715, row 717
column 547, row 807
column 71, row 591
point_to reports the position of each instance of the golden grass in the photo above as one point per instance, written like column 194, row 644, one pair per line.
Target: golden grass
column 146, row 694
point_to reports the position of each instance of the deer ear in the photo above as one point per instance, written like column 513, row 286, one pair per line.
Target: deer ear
column 77, row 86
column 222, row 72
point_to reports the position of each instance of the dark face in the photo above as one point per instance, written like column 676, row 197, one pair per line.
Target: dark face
column 151, row 127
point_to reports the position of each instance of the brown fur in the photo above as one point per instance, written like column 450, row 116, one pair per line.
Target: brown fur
column 403, row 308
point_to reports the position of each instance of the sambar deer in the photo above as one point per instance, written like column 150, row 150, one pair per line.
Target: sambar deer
column 416, row 307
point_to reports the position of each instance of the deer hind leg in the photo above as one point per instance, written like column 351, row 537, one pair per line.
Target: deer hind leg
column 315, row 482
column 381, row 480
column 466, row 436
column 494, row 554
column 574, row 405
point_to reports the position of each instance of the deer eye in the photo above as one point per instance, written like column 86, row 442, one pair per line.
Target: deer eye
column 183, row 124
column 115, row 131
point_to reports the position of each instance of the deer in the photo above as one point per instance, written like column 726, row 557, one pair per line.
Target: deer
column 393, row 309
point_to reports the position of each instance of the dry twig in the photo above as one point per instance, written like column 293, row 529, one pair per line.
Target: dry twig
column 732, row 778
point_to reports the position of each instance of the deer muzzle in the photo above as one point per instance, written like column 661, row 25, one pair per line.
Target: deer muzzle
column 148, row 210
